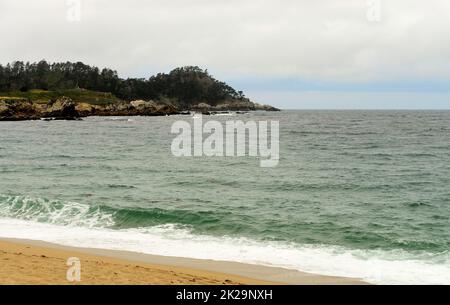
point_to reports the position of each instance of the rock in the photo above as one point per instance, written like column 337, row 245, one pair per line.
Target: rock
column 137, row 104
column 134, row 108
column 265, row 107
column 143, row 108
column 166, row 110
column 203, row 106
column 85, row 109
column 235, row 105
column 142, row 104
column 244, row 105
column 61, row 109
column 4, row 109
column 18, row 110
column 65, row 108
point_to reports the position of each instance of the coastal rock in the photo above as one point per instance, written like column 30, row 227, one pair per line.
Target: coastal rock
column 204, row 108
column 85, row 109
column 18, row 110
column 4, row 108
column 166, row 110
column 63, row 108
column 134, row 108
column 150, row 108
column 143, row 104
column 232, row 105
column 262, row 107
column 143, row 108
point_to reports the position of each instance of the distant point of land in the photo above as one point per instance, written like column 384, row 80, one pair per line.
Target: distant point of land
column 33, row 90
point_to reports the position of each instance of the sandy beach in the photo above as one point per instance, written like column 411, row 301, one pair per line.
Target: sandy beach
column 32, row 263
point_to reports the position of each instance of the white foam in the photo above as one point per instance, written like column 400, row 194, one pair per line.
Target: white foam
column 54, row 212
column 379, row 267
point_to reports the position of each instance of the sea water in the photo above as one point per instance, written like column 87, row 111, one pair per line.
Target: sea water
column 361, row 194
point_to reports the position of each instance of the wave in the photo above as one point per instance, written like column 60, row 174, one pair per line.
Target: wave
column 75, row 214
column 54, row 212
column 78, row 225
column 378, row 267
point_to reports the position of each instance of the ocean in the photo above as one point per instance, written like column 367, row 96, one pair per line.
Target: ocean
column 361, row 194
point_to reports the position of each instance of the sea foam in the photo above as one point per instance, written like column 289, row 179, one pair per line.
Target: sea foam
column 378, row 267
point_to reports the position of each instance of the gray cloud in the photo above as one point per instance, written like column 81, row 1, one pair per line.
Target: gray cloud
column 327, row 40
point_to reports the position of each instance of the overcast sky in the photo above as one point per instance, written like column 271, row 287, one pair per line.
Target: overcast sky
column 289, row 53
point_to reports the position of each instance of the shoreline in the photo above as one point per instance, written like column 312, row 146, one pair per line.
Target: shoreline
column 32, row 262
column 184, row 113
column 65, row 108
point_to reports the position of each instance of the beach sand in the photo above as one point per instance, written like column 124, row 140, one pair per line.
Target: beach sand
column 32, row 262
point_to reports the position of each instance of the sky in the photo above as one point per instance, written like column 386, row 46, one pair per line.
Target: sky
column 294, row 54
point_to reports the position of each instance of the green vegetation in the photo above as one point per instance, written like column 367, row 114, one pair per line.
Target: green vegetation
column 42, row 81
column 77, row 95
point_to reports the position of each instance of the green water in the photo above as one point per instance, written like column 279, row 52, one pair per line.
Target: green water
column 360, row 180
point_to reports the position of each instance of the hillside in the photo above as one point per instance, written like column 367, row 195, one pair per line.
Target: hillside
column 186, row 88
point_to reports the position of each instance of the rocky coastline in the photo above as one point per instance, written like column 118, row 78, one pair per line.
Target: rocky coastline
column 65, row 108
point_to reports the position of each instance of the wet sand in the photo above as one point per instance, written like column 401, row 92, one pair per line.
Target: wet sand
column 34, row 262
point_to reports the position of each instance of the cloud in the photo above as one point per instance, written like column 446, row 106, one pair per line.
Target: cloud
column 289, row 53
column 325, row 40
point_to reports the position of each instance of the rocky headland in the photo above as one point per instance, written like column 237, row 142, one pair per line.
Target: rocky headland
column 65, row 90
column 65, row 108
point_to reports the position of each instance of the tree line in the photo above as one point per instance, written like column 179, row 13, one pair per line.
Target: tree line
column 184, row 85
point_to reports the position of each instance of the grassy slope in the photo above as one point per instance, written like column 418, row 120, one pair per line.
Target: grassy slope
column 77, row 95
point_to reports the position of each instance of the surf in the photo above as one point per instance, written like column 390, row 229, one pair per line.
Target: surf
column 78, row 225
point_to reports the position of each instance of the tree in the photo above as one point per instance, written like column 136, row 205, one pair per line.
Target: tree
column 184, row 86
